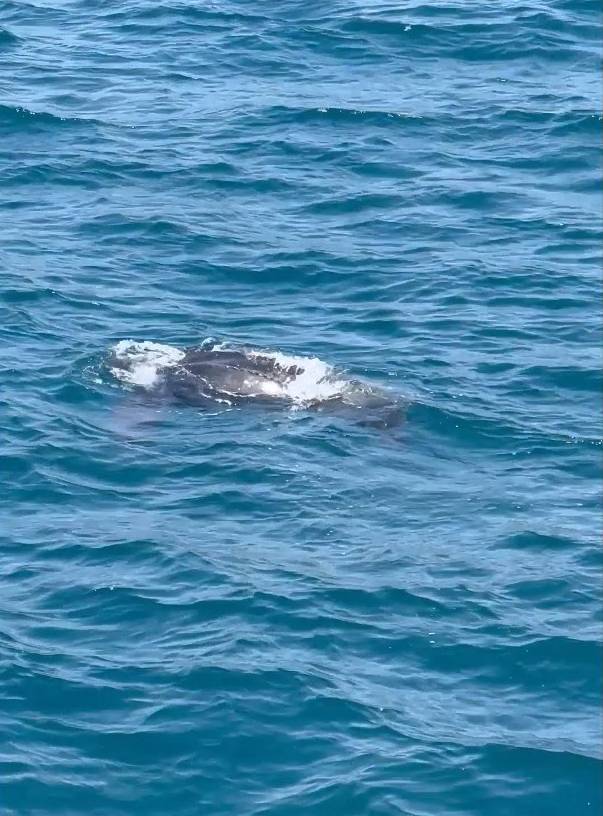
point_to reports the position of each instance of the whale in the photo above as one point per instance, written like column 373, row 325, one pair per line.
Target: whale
column 216, row 374
column 232, row 375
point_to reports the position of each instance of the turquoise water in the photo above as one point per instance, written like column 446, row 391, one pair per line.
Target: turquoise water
column 270, row 608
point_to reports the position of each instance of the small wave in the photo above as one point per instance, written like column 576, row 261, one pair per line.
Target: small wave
column 7, row 37
column 493, row 38
column 21, row 118
column 120, row 228
column 354, row 204
column 179, row 13
column 340, row 115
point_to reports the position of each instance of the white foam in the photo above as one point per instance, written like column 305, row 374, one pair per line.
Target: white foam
column 318, row 380
column 140, row 363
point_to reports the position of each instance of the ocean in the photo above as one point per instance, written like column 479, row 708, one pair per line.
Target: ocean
column 288, row 604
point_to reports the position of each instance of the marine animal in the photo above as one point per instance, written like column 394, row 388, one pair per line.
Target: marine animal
column 213, row 374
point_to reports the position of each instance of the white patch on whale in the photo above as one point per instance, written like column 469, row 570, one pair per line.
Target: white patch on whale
column 143, row 361
column 317, row 382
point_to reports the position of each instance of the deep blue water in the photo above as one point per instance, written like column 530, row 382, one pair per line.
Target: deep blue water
column 280, row 610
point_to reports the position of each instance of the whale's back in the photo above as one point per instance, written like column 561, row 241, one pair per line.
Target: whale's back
column 230, row 374
column 206, row 376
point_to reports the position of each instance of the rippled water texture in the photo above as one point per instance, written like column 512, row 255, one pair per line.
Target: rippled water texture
column 275, row 609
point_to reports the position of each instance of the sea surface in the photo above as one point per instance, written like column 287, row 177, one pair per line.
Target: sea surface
column 270, row 608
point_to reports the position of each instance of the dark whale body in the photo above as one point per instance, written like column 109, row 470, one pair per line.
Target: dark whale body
column 207, row 377
column 226, row 375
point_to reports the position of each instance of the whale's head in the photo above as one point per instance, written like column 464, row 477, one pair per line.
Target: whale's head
column 140, row 364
